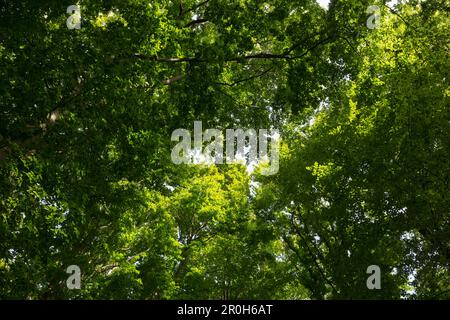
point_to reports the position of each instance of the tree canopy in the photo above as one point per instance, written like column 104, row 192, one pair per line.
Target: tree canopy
column 86, row 176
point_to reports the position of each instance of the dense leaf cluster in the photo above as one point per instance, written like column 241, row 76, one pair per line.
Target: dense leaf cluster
column 86, row 177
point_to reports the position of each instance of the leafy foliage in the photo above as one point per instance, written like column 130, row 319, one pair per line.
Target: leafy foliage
column 86, row 176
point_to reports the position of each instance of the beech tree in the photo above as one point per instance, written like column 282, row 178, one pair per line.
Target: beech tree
column 86, row 176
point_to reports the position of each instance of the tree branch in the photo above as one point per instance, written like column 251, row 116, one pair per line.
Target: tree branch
column 262, row 56
column 312, row 255
column 182, row 12
column 194, row 22
column 245, row 79
column 172, row 80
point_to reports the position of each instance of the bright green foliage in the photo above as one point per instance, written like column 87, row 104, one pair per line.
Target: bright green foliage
column 86, row 176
